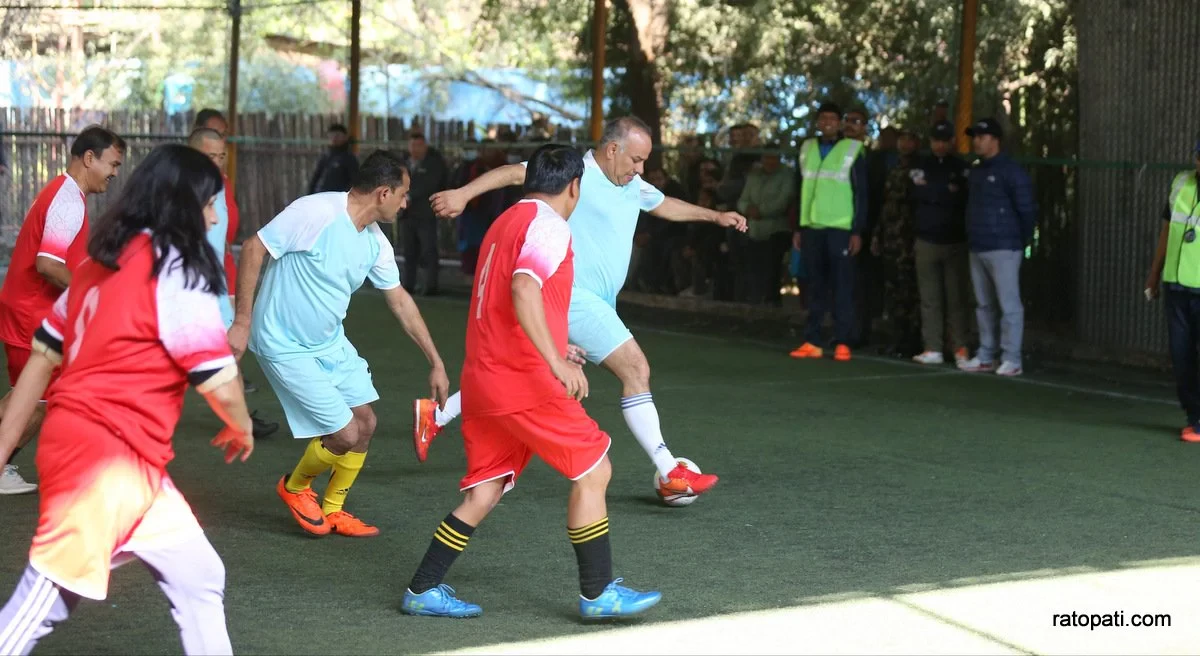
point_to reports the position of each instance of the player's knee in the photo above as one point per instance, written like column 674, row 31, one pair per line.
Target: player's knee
column 206, row 573
column 485, row 496
column 366, row 424
column 343, row 440
column 599, row 477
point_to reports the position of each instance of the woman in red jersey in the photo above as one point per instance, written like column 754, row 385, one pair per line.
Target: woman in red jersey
column 139, row 323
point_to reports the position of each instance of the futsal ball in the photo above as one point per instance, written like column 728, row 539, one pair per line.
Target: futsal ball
column 676, row 499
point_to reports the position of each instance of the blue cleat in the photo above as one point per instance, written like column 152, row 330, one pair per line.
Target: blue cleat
column 438, row 602
column 617, row 601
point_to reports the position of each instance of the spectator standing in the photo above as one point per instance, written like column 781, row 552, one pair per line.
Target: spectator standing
column 892, row 242
column 770, row 189
column 1177, row 264
column 337, row 167
column 940, row 193
column 1001, row 215
column 833, row 217
column 429, row 175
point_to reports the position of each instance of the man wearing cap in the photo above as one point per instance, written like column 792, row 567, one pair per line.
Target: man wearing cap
column 1001, row 214
column 940, row 196
column 833, row 218
column 1177, row 264
column 892, row 240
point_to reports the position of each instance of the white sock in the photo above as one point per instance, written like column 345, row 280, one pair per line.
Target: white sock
column 453, row 409
column 642, row 417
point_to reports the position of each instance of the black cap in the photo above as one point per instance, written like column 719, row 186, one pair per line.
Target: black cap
column 986, row 126
column 943, row 131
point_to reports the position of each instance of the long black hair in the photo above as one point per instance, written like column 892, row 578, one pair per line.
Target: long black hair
column 166, row 194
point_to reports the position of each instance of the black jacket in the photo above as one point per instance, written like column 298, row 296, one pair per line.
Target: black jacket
column 940, row 211
column 335, row 171
column 428, row 176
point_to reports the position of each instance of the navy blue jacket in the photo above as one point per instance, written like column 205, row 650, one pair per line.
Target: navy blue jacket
column 1001, row 211
column 940, row 211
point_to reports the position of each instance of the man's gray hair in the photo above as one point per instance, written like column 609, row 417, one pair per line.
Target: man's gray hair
column 618, row 129
column 200, row 134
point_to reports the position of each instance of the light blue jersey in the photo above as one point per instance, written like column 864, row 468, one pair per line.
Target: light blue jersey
column 216, row 238
column 319, row 258
column 602, row 228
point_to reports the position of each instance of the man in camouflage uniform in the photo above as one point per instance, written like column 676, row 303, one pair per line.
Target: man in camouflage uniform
column 893, row 240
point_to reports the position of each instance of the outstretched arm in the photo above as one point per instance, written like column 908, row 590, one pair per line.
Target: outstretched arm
column 673, row 209
column 450, row 203
column 405, row 309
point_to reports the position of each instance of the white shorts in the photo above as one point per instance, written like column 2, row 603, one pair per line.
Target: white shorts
column 593, row 325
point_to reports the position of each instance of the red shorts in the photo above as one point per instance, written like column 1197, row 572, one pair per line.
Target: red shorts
column 100, row 504
column 559, row 432
column 17, row 359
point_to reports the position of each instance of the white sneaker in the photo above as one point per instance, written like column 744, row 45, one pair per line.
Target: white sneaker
column 929, row 357
column 12, row 483
column 1009, row 369
column 974, row 365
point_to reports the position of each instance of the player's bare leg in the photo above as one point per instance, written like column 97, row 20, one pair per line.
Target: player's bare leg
column 11, row 481
column 343, row 451
column 628, row 363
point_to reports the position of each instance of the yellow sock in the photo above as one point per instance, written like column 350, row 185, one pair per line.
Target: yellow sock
column 345, row 470
column 315, row 461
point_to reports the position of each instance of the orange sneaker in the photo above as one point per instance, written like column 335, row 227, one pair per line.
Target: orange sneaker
column 807, row 351
column 425, row 427
column 304, row 508
column 1189, row 434
column 682, row 480
column 842, row 353
column 343, row 523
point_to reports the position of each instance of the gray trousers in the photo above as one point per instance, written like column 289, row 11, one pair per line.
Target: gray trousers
column 996, row 276
column 190, row 574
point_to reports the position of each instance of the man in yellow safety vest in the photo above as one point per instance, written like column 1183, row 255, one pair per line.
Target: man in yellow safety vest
column 1176, row 268
column 833, row 217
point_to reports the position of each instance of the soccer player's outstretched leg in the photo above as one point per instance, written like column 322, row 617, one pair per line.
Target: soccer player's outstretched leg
column 612, row 198
column 322, row 248
column 521, row 397
column 141, row 310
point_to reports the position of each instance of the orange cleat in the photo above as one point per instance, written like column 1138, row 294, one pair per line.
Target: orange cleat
column 343, row 523
column 842, row 353
column 808, row 351
column 425, row 427
column 682, row 480
column 1189, row 434
column 304, row 508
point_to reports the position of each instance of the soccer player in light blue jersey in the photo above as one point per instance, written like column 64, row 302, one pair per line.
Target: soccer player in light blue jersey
column 321, row 249
column 611, row 197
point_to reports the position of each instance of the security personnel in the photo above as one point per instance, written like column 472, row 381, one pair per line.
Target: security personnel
column 1177, row 264
column 833, row 218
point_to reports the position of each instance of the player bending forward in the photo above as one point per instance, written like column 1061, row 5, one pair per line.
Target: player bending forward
column 322, row 248
column 521, row 396
column 137, row 325
column 612, row 195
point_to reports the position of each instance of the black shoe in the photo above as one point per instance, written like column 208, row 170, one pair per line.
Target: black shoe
column 262, row 428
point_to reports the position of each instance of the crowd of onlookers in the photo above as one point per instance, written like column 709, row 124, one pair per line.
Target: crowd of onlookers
column 897, row 228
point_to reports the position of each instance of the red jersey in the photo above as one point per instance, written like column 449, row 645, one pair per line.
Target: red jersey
column 131, row 343
column 50, row 227
column 231, row 210
column 503, row 372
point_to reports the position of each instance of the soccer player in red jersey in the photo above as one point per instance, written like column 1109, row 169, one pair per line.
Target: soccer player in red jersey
column 521, row 396
column 47, row 250
column 138, row 324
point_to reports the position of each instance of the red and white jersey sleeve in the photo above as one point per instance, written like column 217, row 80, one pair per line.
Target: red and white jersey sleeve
column 64, row 218
column 191, row 329
column 48, row 339
column 546, row 242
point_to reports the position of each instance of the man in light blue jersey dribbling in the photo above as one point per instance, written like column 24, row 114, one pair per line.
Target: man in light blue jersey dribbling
column 612, row 195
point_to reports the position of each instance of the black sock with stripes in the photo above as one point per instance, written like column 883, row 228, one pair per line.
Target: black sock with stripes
column 448, row 542
column 594, row 553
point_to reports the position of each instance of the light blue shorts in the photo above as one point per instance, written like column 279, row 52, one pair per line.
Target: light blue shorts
column 318, row 393
column 593, row 325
